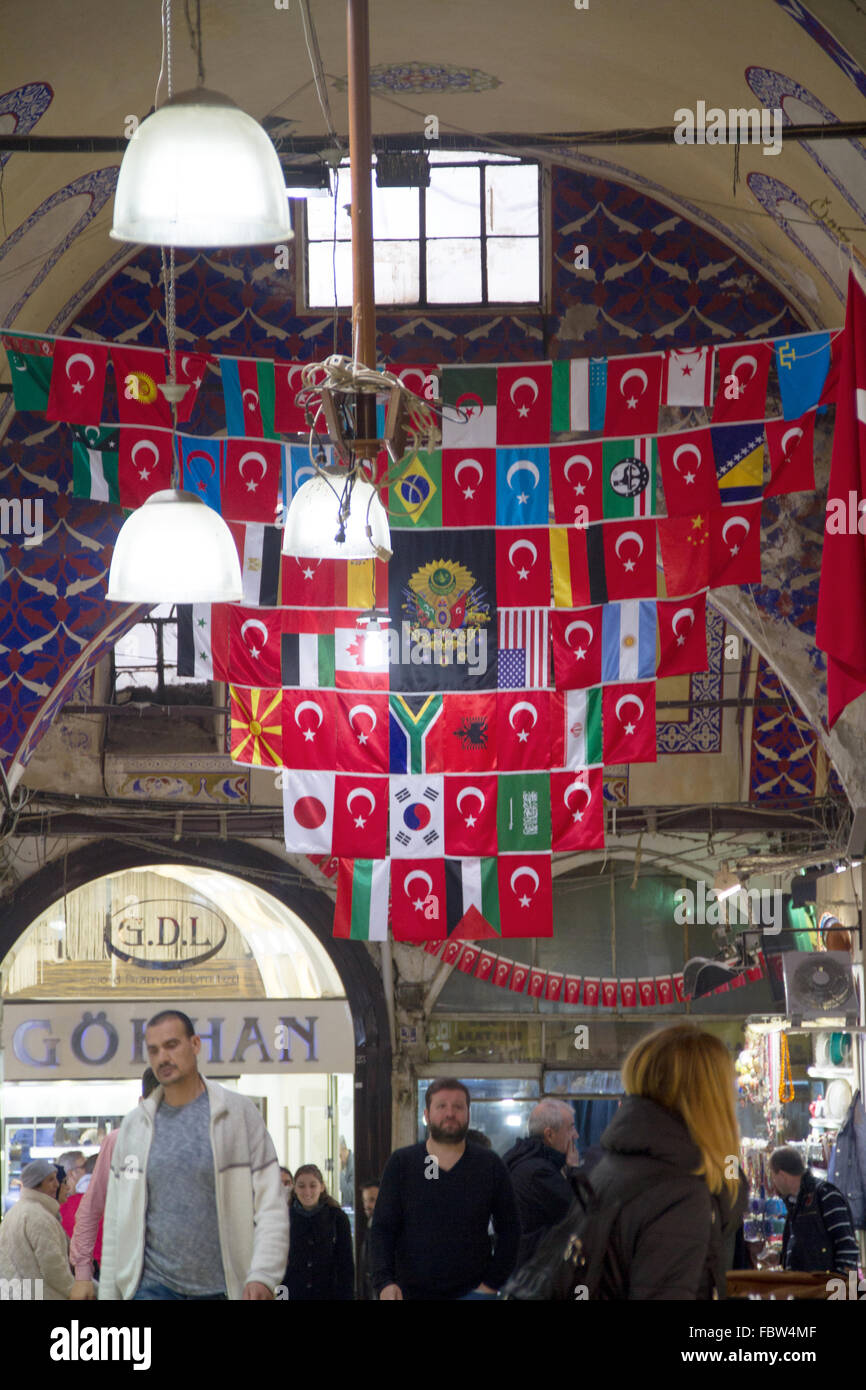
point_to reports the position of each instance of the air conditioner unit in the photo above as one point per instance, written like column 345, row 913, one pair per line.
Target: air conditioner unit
column 819, row 984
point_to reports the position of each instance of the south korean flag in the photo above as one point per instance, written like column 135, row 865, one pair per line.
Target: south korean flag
column 417, row 819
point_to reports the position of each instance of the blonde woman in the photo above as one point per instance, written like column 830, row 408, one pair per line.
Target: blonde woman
column 671, row 1159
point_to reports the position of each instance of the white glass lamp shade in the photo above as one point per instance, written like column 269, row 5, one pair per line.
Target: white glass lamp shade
column 201, row 172
column 175, row 549
column 313, row 520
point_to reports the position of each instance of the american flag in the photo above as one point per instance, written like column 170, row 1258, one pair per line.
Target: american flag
column 524, row 649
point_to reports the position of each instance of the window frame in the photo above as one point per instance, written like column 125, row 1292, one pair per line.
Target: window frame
column 162, row 687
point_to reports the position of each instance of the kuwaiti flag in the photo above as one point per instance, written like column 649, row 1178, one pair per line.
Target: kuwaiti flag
column 471, row 899
column 362, row 899
column 308, row 812
column 689, row 376
column 628, row 641
column 579, row 391
column 77, row 382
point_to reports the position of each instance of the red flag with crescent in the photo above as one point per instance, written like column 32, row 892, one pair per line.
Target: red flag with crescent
column 523, row 567
column 742, row 389
column 688, row 470
column 251, row 480
column 791, row 445
column 682, row 635
column 77, row 382
column 577, row 809
column 254, row 646
column 144, row 464
column 525, row 895
column 634, row 386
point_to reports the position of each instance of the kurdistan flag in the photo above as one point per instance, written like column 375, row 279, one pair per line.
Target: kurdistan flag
column 362, row 899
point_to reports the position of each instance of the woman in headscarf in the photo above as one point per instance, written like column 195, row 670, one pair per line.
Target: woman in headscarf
column 33, row 1244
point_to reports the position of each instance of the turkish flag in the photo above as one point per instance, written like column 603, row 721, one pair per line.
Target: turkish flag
column 590, row 991
column 685, row 547
column 361, row 817
column 501, row 971
column 577, row 809
column 486, row 962
column 433, row 947
column 523, row 567
column 251, row 480
column 469, row 487
column 665, row 987
column 467, row 734
column 537, row 980
column 735, row 544
column 309, row 728
column 254, row 646
column 608, row 993
column 841, row 628
column 418, row 901
column 682, row 635
column 191, row 372
column 139, row 372
column 421, row 378
column 362, row 735
column 646, row 990
column 576, row 478
column 519, row 976
column 523, row 734
column 553, row 988
column 144, row 464
column 77, row 382
column 289, row 418
column 629, row 722
column 634, row 386
column 523, row 400
column 679, row 988
column 525, row 895
column 791, row 446
column 576, row 647
column 571, row 993
column 688, row 472
column 743, row 373
column 628, row 993
column 470, row 816
column 630, row 558
column 469, row 959
column 307, row 583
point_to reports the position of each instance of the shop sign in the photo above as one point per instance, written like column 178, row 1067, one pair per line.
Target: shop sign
column 159, row 934
column 63, row 1041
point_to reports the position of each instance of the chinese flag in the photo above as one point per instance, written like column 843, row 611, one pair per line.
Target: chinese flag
column 469, row 487
column 688, row 472
column 77, row 382
column 576, row 647
column 254, row 646
column 256, row 731
column 523, row 399
column 742, row 391
column 139, row 372
column 629, row 723
column 577, row 809
column 144, row 465
column 523, row 567
column 735, row 544
column 685, row 547
column 251, row 480
column 525, row 895
column 791, row 446
column 576, row 478
column 634, row 386
column 682, row 635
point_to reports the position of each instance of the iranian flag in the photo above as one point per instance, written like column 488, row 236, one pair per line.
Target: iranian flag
column 362, row 899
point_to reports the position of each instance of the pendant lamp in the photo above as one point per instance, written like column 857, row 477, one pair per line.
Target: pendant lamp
column 201, row 172
column 175, row 549
column 337, row 516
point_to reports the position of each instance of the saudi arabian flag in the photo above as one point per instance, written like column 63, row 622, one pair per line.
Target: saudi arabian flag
column 95, row 463
column 362, row 899
column 30, row 363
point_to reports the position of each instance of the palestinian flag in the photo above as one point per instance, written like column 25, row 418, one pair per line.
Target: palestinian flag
column 362, row 899
column 31, row 361
column 471, row 899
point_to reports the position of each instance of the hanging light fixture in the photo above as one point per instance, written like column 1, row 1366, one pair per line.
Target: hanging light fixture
column 337, row 515
column 200, row 172
column 175, row 549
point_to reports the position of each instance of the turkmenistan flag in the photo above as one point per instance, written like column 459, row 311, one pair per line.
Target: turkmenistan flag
column 629, row 477
column 416, row 495
column 362, row 899
column 95, row 455
column 471, row 899
column 30, row 361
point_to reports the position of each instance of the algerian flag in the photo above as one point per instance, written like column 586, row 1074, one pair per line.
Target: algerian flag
column 472, row 899
column 95, row 461
column 362, row 899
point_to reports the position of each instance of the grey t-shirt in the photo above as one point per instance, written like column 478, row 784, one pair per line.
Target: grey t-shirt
column 181, row 1247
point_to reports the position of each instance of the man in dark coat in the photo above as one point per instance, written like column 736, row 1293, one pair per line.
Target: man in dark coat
column 538, row 1167
column 819, row 1233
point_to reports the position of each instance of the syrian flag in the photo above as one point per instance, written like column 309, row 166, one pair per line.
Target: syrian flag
column 471, row 899
column 362, row 899
column 194, row 650
column 689, row 377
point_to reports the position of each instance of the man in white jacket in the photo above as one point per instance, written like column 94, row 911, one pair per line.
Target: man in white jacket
column 195, row 1207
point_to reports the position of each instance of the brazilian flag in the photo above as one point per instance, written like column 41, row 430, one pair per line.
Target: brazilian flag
column 416, row 494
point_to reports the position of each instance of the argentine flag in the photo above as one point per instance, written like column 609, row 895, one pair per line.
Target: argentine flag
column 628, row 641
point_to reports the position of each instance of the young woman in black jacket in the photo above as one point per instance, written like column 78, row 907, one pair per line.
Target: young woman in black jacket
column 671, row 1159
column 320, row 1243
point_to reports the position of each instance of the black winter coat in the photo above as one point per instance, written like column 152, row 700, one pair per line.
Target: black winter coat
column 320, row 1255
column 543, row 1194
column 669, row 1240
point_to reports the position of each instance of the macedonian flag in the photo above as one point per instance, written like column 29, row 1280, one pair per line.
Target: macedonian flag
column 256, row 726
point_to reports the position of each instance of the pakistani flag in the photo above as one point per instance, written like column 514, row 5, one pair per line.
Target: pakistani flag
column 629, row 477
column 30, row 363
column 95, row 455
column 362, row 899
column 472, row 899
